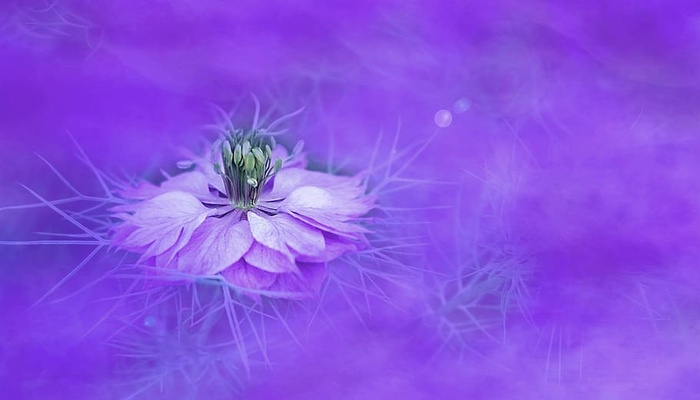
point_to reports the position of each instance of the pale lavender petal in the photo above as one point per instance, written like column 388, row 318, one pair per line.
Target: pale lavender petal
column 327, row 223
column 194, row 183
column 245, row 275
column 320, row 209
column 269, row 260
column 165, row 221
column 122, row 231
column 217, row 244
column 281, row 232
column 314, row 201
column 265, row 233
column 289, row 179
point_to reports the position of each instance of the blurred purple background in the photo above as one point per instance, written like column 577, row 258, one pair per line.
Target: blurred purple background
column 567, row 163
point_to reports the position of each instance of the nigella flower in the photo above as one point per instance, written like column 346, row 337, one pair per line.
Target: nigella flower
column 249, row 212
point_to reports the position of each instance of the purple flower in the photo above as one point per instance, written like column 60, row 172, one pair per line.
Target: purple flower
column 251, row 213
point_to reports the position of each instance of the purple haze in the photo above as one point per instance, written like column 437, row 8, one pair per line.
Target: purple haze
column 567, row 178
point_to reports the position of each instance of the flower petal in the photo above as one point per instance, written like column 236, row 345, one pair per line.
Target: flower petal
column 312, row 201
column 163, row 222
column 336, row 246
column 269, row 260
column 281, row 232
column 216, row 245
column 306, row 284
column 289, row 179
column 318, row 208
column 327, row 223
column 194, row 183
column 245, row 275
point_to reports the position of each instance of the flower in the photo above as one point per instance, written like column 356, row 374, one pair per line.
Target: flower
column 249, row 212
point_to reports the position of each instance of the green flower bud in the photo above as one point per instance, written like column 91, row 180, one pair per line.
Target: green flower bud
column 252, row 182
column 246, row 148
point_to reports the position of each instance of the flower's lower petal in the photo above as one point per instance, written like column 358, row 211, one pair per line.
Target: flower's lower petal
column 308, row 283
column 265, row 232
column 215, row 245
column 269, row 260
column 245, row 275
column 281, row 232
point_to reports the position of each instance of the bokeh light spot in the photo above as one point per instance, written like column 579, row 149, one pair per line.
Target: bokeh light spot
column 149, row 321
column 462, row 105
column 443, row 118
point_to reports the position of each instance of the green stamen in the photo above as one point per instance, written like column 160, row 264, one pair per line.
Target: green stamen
column 237, row 157
column 247, row 165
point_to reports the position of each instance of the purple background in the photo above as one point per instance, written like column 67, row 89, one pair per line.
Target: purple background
column 578, row 152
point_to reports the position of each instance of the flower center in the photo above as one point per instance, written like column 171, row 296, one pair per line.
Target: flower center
column 247, row 166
